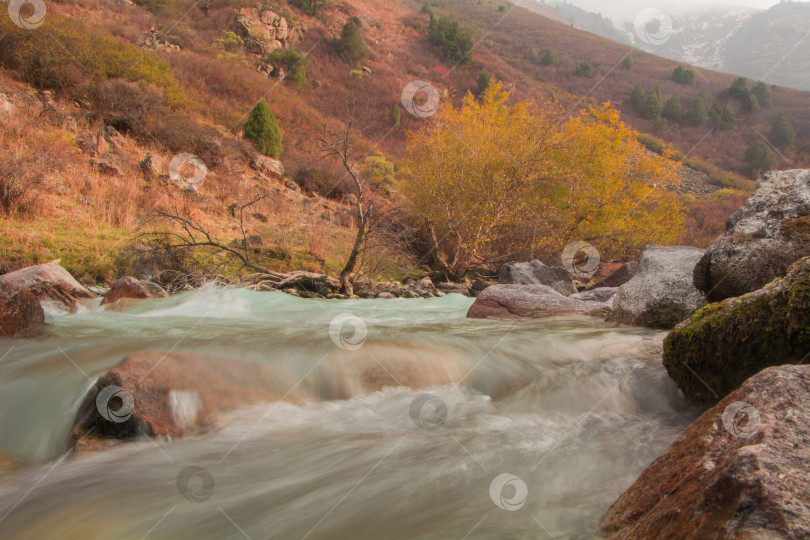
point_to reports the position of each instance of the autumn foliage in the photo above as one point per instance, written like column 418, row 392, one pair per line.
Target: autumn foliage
column 491, row 181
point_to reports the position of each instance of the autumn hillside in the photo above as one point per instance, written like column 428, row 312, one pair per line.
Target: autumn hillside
column 161, row 77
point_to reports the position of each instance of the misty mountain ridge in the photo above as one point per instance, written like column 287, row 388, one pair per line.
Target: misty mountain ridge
column 770, row 45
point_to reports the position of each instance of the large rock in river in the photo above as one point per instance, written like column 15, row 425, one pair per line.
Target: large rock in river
column 661, row 293
column 739, row 471
column 130, row 287
column 537, row 273
column 762, row 238
column 50, row 281
column 174, row 394
column 19, row 309
column 530, row 301
column 724, row 343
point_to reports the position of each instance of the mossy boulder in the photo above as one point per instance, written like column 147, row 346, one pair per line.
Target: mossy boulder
column 724, row 343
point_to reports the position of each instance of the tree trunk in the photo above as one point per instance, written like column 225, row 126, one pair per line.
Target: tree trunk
column 346, row 285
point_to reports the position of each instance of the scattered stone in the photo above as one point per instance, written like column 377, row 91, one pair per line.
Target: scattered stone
column 258, row 216
column 51, row 282
column 537, row 273
column 153, row 39
column 19, row 309
column 91, row 143
column 153, row 167
column 738, row 471
column 267, row 165
column 255, row 240
column 661, row 293
column 129, row 287
column 602, row 294
column 106, row 164
column 454, row 288
column 723, row 344
column 762, row 238
column 530, row 301
column 385, row 294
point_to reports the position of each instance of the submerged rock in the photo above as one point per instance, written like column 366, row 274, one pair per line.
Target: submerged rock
column 375, row 366
column 50, row 281
column 738, row 471
column 530, row 301
column 129, row 287
column 762, row 238
column 537, row 273
column 724, row 343
column 19, row 309
column 173, row 394
column 661, row 293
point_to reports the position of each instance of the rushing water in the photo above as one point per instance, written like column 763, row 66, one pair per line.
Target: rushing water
column 589, row 407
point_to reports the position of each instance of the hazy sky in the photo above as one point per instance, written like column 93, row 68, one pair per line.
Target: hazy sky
column 619, row 10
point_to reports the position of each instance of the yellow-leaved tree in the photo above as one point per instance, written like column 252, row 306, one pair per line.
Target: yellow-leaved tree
column 492, row 181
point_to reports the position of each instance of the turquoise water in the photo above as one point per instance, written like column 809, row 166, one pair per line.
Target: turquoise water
column 590, row 407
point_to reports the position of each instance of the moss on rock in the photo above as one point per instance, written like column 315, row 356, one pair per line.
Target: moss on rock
column 721, row 345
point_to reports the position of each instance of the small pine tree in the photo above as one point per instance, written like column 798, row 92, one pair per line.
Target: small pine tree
column 723, row 117
column 533, row 56
column 760, row 158
column 673, row 110
column 395, row 116
column 739, row 88
column 638, row 97
column 654, row 105
column 585, row 69
column 763, row 94
column 698, row 115
column 484, row 81
column 550, row 58
column 351, row 45
column 628, row 63
column 682, row 75
column 782, row 132
column 262, row 129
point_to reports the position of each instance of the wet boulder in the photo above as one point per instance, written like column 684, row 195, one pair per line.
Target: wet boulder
column 531, row 301
column 374, row 366
column 537, row 273
column 601, row 294
column 19, row 309
column 50, row 282
column 618, row 277
column 724, row 343
column 170, row 394
column 739, row 471
column 129, row 287
column 661, row 293
column 762, row 238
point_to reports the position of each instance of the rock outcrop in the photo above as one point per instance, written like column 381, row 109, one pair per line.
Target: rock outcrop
column 762, row 238
column 738, row 471
column 263, row 30
column 530, row 301
column 19, row 309
column 537, row 273
column 268, row 165
column 172, row 394
column 661, row 293
column 724, row 343
column 129, row 287
column 50, row 281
